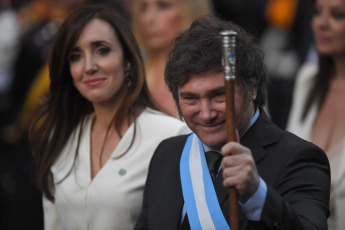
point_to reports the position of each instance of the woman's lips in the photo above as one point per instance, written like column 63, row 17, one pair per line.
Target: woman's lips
column 322, row 39
column 94, row 82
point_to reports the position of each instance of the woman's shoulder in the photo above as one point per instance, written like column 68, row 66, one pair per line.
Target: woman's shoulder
column 307, row 72
column 304, row 81
column 151, row 114
column 156, row 120
column 303, row 84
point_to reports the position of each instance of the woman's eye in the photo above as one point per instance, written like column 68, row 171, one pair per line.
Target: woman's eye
column 338, row 15
column 74, row 57
column 104, row 51
column 164, row 5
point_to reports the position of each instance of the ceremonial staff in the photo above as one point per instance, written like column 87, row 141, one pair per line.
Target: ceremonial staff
column 229, row 64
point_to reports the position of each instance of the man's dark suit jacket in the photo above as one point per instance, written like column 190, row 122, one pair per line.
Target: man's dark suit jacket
column 296, row 172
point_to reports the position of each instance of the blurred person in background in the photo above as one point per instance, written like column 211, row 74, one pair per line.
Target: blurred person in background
column 156, row 24
column 36, row 23
column 318, row 108
column 96, row 131
column 9, row 46
column 39, row 22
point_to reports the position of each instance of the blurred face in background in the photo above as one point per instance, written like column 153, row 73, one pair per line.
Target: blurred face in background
column 160, row 22
column 329, row 27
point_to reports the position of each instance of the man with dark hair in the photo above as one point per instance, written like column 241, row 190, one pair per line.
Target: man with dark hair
column 282, row 181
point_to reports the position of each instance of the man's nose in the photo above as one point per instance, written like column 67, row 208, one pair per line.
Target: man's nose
column 207, row 111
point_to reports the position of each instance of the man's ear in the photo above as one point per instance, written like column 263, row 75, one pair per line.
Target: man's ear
column 254, row 93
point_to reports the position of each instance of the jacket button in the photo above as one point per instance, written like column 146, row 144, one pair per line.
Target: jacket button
column 122, row 172
column 276, row 225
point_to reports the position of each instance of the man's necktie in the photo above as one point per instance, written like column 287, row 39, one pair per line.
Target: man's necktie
column 213, row 160
column 185, row 223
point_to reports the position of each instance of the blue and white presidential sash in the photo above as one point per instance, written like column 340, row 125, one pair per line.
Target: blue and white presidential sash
column 199, row 195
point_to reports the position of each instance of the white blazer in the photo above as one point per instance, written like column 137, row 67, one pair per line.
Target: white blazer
column 113, row 199
column 303, row 129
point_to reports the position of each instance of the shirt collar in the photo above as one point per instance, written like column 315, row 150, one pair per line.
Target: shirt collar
column 255, row 117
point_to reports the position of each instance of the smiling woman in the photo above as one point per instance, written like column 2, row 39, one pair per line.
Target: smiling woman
column 95, row 133
column 97, row 64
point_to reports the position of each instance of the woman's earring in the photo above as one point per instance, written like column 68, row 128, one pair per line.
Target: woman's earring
column 128, row 77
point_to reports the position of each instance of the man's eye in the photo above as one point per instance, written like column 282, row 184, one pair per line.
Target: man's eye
column 219, row 97
column 189, row 100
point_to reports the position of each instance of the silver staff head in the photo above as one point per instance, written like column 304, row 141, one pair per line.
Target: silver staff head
column 229, row 54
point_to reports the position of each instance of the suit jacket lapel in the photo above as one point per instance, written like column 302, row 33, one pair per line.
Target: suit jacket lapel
column 177, row 196
column 222, row 192
column 262, row 134
column 178, row 201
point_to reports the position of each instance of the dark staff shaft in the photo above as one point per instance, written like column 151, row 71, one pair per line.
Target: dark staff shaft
column 230, row 117
column 229, row 64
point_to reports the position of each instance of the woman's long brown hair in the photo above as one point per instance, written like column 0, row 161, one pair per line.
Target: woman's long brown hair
column 64, row 108
column 318, row 91
column 319, row 88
